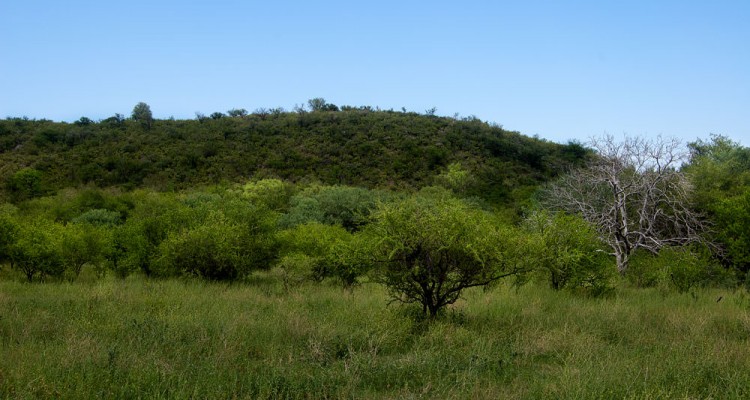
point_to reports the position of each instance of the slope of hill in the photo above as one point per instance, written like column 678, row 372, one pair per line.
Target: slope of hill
column 355, row 146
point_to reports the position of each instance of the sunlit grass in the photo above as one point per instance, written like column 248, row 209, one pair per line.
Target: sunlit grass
column 189, row 339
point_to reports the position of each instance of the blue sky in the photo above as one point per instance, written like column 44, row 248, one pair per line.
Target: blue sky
column 557, row 69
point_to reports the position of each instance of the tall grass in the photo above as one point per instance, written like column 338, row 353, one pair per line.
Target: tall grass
column 189, row 339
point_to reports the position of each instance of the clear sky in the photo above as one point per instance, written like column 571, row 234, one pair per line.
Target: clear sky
column 557, row 69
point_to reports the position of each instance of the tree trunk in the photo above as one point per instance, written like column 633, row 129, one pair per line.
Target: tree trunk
column 622, row 259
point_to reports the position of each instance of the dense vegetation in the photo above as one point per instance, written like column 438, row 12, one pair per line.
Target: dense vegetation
column 268, row 244
column 352, row 146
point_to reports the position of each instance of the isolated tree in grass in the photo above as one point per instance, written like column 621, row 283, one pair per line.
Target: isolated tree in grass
column 633, row 193
column 430, row 249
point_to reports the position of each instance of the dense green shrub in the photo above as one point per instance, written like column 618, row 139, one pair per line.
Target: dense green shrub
column 99, row 217
column 678, row 268
column 36, row 252
column 569, row 252
column 314, row 241
column 25, row 184
column 345, row 206
column 199, row 234
column 318, row 251
column 9, row 230
column 271, row 193
column 214, row 250
column 82, row 244
column 429, row 250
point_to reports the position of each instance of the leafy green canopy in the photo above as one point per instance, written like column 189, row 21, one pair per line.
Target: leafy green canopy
column 429, row 249
column 720, row 172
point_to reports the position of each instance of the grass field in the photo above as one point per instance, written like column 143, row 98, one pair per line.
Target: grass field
column 189, row 339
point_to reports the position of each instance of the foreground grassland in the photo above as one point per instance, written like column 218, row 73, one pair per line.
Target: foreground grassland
column 189, row 339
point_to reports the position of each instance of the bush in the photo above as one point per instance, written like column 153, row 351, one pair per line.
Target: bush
column 224, row 244
column 345, row 206
column 675, row 268
column 430, row 249
column 9, row 230
column 271, row 193
column 209, row 251
column 570, row 253
column 37, row 250
column 82, row 244
column 25, row 184
column 99, row 217
column 320, row 251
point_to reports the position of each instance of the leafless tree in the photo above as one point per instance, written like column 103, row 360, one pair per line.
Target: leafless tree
column 634, row 194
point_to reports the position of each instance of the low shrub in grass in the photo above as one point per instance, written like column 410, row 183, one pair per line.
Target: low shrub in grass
column 318, row 251
column 569, row 253
column 679, row 268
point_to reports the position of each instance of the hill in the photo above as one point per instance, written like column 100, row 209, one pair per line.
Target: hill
column 355, row 146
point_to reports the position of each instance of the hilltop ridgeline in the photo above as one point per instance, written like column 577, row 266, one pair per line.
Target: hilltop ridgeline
column 351, row 146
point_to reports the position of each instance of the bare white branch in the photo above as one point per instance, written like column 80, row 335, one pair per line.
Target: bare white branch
column 634, row 194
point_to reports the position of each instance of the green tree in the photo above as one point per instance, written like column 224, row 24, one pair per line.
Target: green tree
column 9, row 230
column 429, row 250
column 316, row 104
column 719, row 170
column 237, row 112
column 455, row 178
column 272, row 193
column 142, row 114
column 82, row 244
column 226, row 240
column 317, row 251
column 37, row 250
column 345, row 206
column 569, row 251
column 25, row 184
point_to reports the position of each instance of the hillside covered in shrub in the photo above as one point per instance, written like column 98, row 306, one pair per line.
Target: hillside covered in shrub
column 355, row 146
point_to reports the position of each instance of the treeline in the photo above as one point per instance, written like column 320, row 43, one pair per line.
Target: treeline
column 356, row 146
column 425, row 246
column 426, row 205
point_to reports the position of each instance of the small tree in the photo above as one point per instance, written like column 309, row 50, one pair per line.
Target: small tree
column 431, row 249
column 25, row 184
column 271, row 193
column 81, row 244
column 316, row 104
column 633, row 194
column 318, row 251
column 319, row 104
column 569, row 251
column 142, row 114
column 237, row 112
column 37, row 250
column 455, row 178
column 9, row 230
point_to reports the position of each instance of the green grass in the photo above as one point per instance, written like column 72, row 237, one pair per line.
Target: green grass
column 189, row 339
